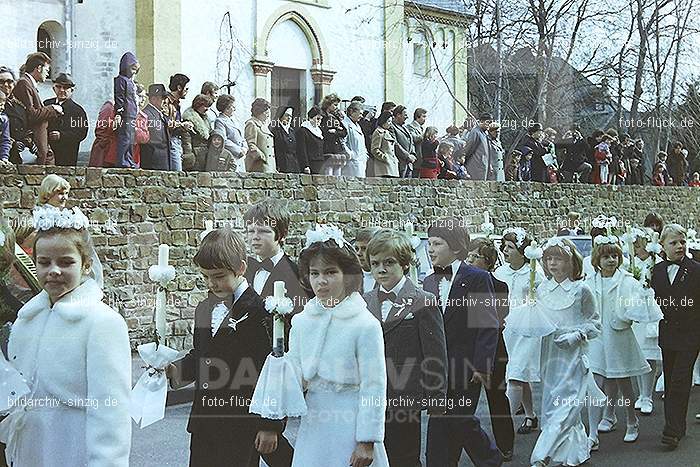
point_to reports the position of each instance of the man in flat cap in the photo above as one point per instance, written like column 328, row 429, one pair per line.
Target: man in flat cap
column 155, row 155
column 68, row 130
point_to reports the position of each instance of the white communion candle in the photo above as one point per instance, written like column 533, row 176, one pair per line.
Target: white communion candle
column 163, row 255
column 408, row 227
column 280, row 289
column 487, row 217
column 160, row 314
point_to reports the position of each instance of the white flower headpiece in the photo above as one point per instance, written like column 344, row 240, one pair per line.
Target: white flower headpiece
column 604, row 222
column 606, row 239
column 558, row 241
column 636, row 233
column 519, row 233
column 533, row 251
column 47, row 217
column 323, row 233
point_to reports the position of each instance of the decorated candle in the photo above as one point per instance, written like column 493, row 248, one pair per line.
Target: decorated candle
column 408, row 227
column 487, row 217
column 163, row 255
column 278, row 323
column 630, row 248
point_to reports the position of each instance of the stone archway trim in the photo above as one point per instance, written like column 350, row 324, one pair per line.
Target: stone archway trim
column 312, row 31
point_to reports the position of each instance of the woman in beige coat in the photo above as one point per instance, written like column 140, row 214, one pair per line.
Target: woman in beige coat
column 386, row 164
column 261, row 152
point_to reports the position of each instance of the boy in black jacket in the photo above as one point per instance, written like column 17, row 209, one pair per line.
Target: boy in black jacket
column 231, row 342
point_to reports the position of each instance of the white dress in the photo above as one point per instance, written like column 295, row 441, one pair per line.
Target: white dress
column 566, row 377
column 77, row 360
column 647, row 334
column 339, row 354
column 523, row 352
column 621, row 300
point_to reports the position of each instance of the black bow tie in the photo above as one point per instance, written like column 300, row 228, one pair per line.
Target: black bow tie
column 267, row 265
column 443, row 272
column 677, row 263
column 383, row 296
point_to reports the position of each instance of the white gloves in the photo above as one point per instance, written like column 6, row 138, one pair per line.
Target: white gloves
column 569, row 339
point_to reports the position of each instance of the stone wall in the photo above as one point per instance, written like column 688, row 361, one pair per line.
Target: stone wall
column 134, row 211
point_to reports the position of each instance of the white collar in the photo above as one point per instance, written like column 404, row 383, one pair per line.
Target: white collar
column 349, row 307
column 456, row 264
column 275, row 259
column 316, row 131
column 551, row 284
column 397, row 288
column 73, row 306
column 240, row 290
column 33, row 81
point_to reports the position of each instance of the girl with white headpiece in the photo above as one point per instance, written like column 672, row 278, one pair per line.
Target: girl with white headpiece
column 337, row 347
column 615, row 357
column 73, row 351
column 646, row 255
column 569, row 305
column 523, row 366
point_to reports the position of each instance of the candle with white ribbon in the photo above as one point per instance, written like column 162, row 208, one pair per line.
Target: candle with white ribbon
column 630, row 248
column 163, row 258
column 280, row 292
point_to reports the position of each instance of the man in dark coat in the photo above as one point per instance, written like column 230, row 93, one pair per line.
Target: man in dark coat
column 533, row 142
column 575, row 156
column 155, row 155
column 676, row 284
column 68, row 130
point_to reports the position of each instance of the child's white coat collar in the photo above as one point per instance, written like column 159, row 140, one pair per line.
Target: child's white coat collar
column 73, row 306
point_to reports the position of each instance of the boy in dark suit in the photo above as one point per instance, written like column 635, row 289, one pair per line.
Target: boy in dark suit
column 267, row 225
column 676, row 283
column 414, row 342
column 231, row 343
column 466, row 300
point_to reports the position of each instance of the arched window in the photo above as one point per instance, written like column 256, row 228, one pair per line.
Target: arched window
column 51, row 39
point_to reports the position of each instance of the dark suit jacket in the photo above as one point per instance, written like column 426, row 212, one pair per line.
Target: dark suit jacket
column 680, row 304
column 227, row 366
column 502, row 308
column 285, row 149
column 471, row 325
column 73, row 125
column 155, row 155
column 285, row 270
column 414, row 343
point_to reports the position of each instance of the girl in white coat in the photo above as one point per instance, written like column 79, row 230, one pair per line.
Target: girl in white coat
column 523, row 366
column 337, row 346
column 615, row 356
column 569, row 306
column 647, row 334
column 74, row 352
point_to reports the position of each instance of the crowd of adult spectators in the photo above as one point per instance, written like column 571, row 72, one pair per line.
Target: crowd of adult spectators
column 145, row 127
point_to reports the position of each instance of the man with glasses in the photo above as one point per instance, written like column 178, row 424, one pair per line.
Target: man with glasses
column 36, row 70
column 67, row 131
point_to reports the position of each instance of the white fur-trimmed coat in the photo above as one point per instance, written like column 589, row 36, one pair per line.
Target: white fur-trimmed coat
column 74, row 352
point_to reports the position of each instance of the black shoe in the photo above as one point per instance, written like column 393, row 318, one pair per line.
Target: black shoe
column 507, row 455
column 520, row 411
column 528, row 426
column 670, row 441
